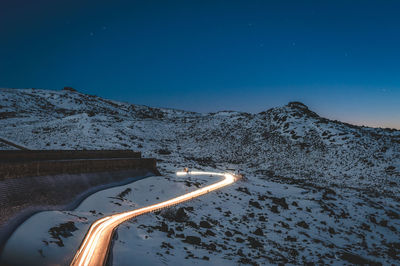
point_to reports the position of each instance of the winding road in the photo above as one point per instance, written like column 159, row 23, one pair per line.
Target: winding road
column 95, row 246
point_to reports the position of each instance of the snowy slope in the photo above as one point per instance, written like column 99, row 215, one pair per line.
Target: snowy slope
column 327, row 191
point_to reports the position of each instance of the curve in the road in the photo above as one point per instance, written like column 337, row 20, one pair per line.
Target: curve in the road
column 95, row 246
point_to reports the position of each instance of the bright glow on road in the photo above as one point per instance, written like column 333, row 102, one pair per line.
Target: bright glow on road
column 95, row 246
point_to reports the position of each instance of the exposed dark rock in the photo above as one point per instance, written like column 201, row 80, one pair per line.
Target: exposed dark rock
column 247, row 261
column 240, row 253
column 69, row 89
column 180, row 235
column 205, row 224
column 239, row 240
column 254, row 243
column 163, row 227
column 166, row 245
column 281, row 202
column 358, row 260
column 211, row 246
column 291, row 239
column 164, row 152
column 63, row 230
column 303, row 224
column 194, row 240
column 181, row 215
column 392, row 214
column 258, row 232
column 124, row 193
column 244, row 190
column 210, row 233
column 179, row 228
column 394, row 250
column 328, row 193
column 274, row 209
column 192, row 224
column 227, row 213
column 228, row 234
column 255, row 204
column 190, row 208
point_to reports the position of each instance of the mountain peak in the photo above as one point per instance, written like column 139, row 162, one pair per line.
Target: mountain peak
column 298, row 105
column 301, row 108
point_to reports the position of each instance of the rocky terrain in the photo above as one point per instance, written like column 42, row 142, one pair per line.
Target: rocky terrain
column 316, row 190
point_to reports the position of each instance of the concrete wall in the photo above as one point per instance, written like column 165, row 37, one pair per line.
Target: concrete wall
column 41, row 155
column 22, row 197
column 41, row 168
column 32, row 181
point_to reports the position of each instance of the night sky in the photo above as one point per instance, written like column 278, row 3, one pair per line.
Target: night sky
column 341, row 58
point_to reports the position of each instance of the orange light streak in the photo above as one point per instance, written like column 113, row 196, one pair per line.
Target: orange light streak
column 94, row 248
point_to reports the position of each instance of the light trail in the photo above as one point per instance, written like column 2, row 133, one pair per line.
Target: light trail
column 95, row 247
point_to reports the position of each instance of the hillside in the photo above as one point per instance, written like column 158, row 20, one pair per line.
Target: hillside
column 317, row 189
column 289, row 141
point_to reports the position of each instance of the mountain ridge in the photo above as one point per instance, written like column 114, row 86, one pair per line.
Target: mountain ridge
column 292, row 129
column 319, row 190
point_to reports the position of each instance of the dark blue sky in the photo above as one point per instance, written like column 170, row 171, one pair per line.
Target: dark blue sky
column 342, row 58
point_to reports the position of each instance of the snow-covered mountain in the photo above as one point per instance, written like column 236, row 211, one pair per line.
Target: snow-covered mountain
column 317, row 190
